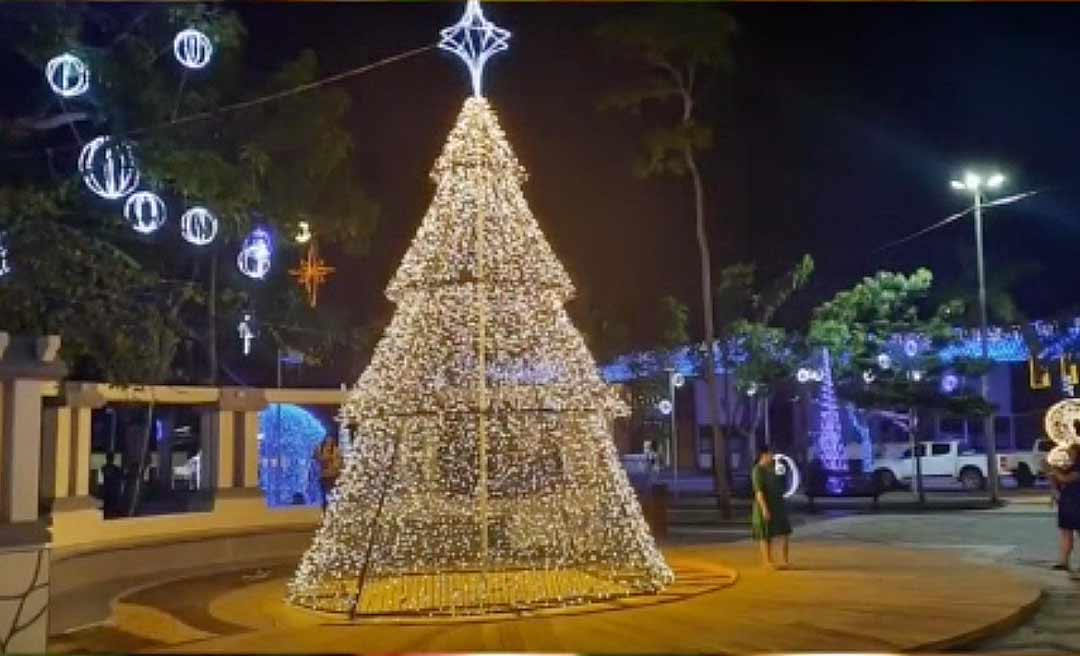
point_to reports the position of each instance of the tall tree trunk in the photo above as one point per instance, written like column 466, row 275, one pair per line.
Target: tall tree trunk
column 144, row 447
column 211, row 324
column 720, row 459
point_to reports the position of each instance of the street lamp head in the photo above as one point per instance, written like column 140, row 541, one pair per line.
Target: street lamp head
column 972, row 181
column 957, row 185
column 995, row 181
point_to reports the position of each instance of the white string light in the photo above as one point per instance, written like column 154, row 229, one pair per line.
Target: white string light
column 483, row 476
column 474, row 39
column 192, row 48
column 247, row 335
column 254, row 257
column 108, row 167
column 198, row 226
column 145, row 212
column 5, row 266
column 67, row 75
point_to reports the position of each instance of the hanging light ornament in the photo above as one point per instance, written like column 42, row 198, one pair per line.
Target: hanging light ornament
column 5, row 267
column 312, row 273
column 192, row 48
column 145, row 212
column 254, row 258
column 67, row 75
column 246, row 333
column 198, row 226
column 108, row 167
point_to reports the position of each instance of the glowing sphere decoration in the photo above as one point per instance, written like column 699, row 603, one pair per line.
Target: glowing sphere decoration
column 884, row 361
column 782, row 465
column 192, row 48
column 254, row 258
column 287, row 468
column 145, row 212
column 68, row 76
column 911, row 348
column 868, row 376
column 664, row 407
column 803, row 375
column 949, row 383
column 198, row 226
column 108, row 167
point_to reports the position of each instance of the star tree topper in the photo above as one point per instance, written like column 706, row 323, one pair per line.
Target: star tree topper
column 474, row 39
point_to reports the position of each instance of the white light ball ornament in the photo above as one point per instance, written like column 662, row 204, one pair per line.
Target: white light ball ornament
column 192, row 48
column 664, row 407
column 67, row 75
column 254, row 258
column 108, row 168
column 145, row 212
column 782, row 464
column 949, row 383
column 198, row 226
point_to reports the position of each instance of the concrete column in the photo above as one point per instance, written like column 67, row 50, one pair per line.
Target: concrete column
column 22, row 450
column 218, row 449
column 247, row 449
column 79, row 485
column 56, row 453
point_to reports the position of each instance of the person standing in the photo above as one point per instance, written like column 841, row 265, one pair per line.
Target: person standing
column 769, row 518
column 330, row 460
column 112, row 486
column 1066, row 485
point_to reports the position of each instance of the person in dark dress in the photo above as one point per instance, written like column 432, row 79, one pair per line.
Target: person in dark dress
column 112, row 486
column 1066, row 483
column 770, row 520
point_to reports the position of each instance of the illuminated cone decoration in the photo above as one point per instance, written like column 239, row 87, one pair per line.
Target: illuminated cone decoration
column 483, row 475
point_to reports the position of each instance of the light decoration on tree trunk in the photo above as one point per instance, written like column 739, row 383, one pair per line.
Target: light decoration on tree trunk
column 830, row 443
column 108, row 167
column 192, row 48
column 145, row 212
column 198, row 226
column 483, row 476
column 67, row 75
column 255, row 253
column 474, row 39
column 312, row 273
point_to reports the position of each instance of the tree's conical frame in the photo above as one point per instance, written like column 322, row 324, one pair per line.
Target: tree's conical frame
column 483, row 476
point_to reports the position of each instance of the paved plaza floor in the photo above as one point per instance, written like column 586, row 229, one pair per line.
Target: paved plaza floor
column 844, row 594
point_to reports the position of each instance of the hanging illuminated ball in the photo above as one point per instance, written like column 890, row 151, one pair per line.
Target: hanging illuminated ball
column 868, row 376
column 198, row 226
column 254, row 258
column 949, row 383
column 782, row 464
column 884, row 361
column 145, row 212
column 108, row 167
column 67, row 75
column 803, row 375
column 192, row 48
column 664, row 407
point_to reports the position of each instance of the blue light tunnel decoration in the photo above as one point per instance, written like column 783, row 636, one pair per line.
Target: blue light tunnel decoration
column 287, row 470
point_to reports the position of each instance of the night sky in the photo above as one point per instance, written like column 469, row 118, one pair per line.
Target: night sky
column 838, row 132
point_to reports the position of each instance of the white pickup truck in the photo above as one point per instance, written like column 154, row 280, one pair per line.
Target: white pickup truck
column 1026, row 466
column 936, row 459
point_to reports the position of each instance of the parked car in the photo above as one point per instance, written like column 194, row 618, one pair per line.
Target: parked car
column 1026, row 466
column 937, row 460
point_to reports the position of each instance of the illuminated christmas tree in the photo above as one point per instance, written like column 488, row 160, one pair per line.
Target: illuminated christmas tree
column 483, row 475
column 830, row 441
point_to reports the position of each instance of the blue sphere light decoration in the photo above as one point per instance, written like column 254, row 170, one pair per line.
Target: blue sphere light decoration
column 287, row 468
column 664, row 407
column 108, row 167
column 949, row 383
column 254, row 258
column 198, row 226
column 474, row 39
column 911, row 347
column 145, row 212
column 192, row 48
column 67, row 75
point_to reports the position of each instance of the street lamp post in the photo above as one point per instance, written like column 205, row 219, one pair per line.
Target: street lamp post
column 974, row 184
column 675, row 381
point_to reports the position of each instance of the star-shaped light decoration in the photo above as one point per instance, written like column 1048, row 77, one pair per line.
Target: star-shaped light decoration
column 312, row 273
column 474, row 39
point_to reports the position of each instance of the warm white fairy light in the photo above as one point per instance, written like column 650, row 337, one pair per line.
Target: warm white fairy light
column 482, row 474
column 67, row 75
column 198, row 226
column 108, row 167
column 145, row 212
column 192, row 48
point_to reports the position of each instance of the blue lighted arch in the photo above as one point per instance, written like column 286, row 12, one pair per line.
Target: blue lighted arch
column 290, row 435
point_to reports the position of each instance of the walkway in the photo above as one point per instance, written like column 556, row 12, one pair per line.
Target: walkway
column 833, row 600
